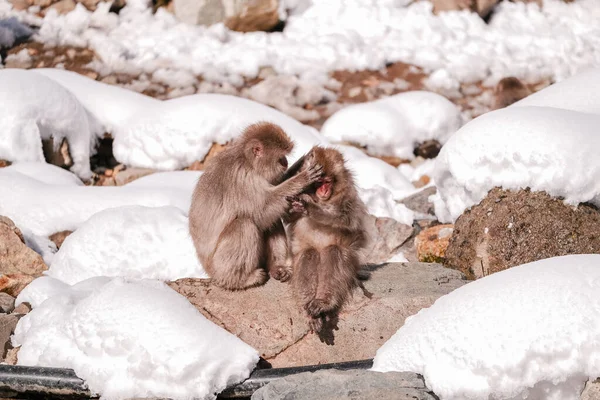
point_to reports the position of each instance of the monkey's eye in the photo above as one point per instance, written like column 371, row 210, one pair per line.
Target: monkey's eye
column 283, row 161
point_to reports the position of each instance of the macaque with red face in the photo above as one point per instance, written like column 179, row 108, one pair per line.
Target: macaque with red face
column 326, row 234
column 237, row 206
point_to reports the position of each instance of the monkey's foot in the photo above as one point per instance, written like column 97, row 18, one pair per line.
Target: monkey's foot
column 282, row 274
column 315, row 324
column 316, row 307
column 257, row 278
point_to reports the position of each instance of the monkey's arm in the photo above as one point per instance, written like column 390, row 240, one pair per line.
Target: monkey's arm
column 293, row 170
column 276, row 203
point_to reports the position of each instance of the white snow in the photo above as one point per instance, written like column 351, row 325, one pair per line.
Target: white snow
column 110, row 105
column 530, row 332
column 180, row 131
column 131, row 339
column 321, row 36
column 132, row 242
column 380, row 203
column 184, row 180
column 393, row 126
column 33, row 108
column 41, row 289
column 541, row 147
column 45, row 172
column 44, row 209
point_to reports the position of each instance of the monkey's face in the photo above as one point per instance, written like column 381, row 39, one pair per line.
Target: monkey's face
column 272, row 166
column 324, row 189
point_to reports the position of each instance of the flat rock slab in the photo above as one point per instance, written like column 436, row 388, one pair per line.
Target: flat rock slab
column 268, row 318
column 352, row 384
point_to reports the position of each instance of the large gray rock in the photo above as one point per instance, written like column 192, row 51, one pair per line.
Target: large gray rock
column 238, row 15
column 268, row 318
column 386, row 236
column 419, row 201
column 510, row 228
column 352, row 384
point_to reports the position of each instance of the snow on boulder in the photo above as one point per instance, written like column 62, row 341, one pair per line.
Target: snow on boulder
column 44, row 209
column 177, row 132
column 395, row 125
column 580, row 92
column 45, row 172
column 543, row 148
column 132, row 242
column 110, row 105
column 32, row 108
column 532, row 332
column 131, row 339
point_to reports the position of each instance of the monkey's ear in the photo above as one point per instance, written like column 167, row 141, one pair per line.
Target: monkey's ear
column 255, row 148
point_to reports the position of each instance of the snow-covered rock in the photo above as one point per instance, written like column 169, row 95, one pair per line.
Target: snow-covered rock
column 529, row 332
column 395, row 125
column 184, row 180
column 110, row 105
column 11, row 30
column 543, row 148
column 131, row 339
column 132, row 242
column 44, row 172
column 32, row 108
column 180, row 131
column 43, row 209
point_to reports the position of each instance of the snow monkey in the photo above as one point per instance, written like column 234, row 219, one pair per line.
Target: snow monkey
column 326, row 235
column 508, row 91
column 237, row 206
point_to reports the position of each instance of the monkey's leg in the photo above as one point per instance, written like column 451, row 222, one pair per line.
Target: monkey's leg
column 337, row 279
column 279, row 262
column 305, row 282
column 237, row 259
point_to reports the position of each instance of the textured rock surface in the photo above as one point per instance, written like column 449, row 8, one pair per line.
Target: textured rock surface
column 8, row 323
column 386, row 237
column 419, row 201
column 7, row 303
column 16, row 257
column 268, row 319
column 431, row 243
column 59, row 237
column 511, row 228
column 352, row 384
column 592, row 390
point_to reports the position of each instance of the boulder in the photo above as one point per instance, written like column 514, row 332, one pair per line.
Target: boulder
column 419, row 201
column 510, row 228
column 268, row 318
column 351, row 384
column 16, row 257
column 238, row 15
column 591, row 390
column 431, row 243
column 130, row 174
column 386, row 236
column 59, row 237
column 8, row 323
column 7, row 303
column 12, row 284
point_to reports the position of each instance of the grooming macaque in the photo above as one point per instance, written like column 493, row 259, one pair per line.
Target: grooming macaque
column 508, row 91
column 326, row 235
column 237, row 206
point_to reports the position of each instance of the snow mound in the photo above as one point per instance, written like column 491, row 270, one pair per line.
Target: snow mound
column 184, row 180
column 395, row 125
column 532, row 332
column 45, row 172
column 32, row 108
column 580, row 92
column 543, row 148
column 41, row 289
column 180, row 131
column 132, row 242
column 12, row 30
column 130, row 339
column 380, row 203
column 44, row 209
column 110, row 105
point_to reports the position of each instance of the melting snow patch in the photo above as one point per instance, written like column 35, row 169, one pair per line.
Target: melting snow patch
column 131, row 339
column 531, row 332
column 32, row 108
column 132, row 242
column 394, row 125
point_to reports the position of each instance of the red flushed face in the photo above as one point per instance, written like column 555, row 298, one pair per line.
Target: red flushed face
column 325, row 189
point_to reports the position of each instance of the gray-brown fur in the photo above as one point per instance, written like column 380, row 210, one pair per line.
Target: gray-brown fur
column 237, row 206
column 326, row 233
column 508, row 91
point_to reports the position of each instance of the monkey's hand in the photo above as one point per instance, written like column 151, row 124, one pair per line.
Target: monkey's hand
column 313, row 170
column 297, row 206
column 281, row 273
